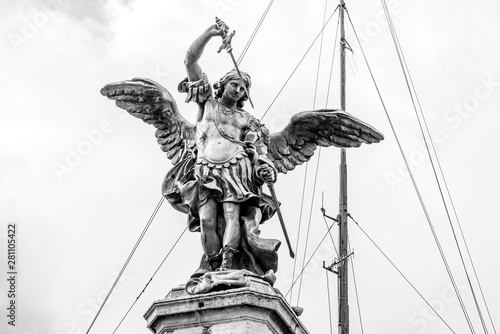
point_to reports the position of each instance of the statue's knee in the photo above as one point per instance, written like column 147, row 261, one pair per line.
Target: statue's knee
column 231, row 212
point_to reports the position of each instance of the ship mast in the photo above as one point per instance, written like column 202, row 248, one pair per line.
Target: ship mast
column 341, row 264
column 343, row 213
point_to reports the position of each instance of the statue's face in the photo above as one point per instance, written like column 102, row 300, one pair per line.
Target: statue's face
column 234, row 90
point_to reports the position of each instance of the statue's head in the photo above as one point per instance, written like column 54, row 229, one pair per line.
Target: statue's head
column 232, row 75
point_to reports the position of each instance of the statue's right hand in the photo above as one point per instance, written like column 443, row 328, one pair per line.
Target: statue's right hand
column 214, row 30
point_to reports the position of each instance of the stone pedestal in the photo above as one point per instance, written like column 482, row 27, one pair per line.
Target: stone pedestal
column 255, row 309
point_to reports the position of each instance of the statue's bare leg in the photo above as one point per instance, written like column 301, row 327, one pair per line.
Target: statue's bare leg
column 210, row 241
column 232, row 234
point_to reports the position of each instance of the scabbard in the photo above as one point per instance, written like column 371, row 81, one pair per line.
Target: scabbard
column 280, row 216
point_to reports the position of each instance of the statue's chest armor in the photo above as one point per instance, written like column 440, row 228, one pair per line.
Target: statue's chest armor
column 220, row 132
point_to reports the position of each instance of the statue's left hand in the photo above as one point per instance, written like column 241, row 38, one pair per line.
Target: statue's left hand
column 267, row 173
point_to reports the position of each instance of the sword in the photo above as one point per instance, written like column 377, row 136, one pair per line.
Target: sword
column 280, row 216
column 226, row 44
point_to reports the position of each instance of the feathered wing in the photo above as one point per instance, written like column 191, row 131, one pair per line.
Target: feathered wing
column 296, row 143
column 153, row 103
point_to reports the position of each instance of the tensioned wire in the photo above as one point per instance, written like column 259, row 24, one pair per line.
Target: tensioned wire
column 323, row 211
column 299, row 63
column 319, row 151
column 329, row 303
column 355, row 286
column 389, row 260
column 326, row 106
column 299, row 226
column 407, row 165
column 307, row 164
column 309, row 221
column 310, row 258
column 152, row 276
column 277, row 95
column 414, row 96
column 386, row 257
column 400, row 272
column 319, row 157
column 254, row 33
column 153, row 215
column 421, row 119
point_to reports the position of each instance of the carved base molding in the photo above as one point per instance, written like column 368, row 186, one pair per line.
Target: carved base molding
column 253, row 309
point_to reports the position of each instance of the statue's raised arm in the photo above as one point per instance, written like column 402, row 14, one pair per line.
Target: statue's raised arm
column 195, row 51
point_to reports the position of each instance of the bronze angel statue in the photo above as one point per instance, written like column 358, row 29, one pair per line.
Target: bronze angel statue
column 223, row 160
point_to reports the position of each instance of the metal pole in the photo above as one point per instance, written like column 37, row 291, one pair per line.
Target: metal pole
column 342, row 217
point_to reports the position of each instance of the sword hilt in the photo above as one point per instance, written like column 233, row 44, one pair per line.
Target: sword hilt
column 226, row 37
column 226, row 44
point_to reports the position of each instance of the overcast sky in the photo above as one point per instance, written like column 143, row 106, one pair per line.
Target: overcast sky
column 81, row 177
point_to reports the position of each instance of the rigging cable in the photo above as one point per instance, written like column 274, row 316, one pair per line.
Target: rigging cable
column 319, row 56
column 424, row 208
column 299, row 226
column 332, row 63
column 300, row 62
column 323, row 211
column 309, row 220
column 329, row 302
column 153, row 215
column 254, row 33
column 348, row 47
column 312, row 255
column 349, row 62
column 468, row 252
column 326, row 107
column 415, row 102
column 319, row 152
column 322, row 195
column 154, row 274
column 399, row 271
column 245, row 49
column 355, row 287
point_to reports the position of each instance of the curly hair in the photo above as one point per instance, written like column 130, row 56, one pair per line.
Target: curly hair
column 232, row 75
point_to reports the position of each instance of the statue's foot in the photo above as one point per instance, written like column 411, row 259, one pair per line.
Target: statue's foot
column 215, row 261
column 227, row 264
column 225, row 267
column 228, row 254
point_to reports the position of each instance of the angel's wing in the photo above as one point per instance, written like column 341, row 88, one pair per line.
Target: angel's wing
column 153, row 103
column 296, row 143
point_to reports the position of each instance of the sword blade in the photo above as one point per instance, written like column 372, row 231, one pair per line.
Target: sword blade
column 241, row 77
